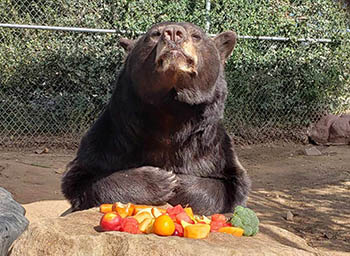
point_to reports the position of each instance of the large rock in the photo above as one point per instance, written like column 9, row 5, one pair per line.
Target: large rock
column 12, row 220
column 78, row 234
column 45, row 209
column 339, row 132
column 331, row 130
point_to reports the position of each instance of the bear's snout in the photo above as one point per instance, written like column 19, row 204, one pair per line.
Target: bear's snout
column 175, row 52
column 174, row 34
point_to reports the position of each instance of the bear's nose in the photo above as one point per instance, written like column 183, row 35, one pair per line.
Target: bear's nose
column 174, row 33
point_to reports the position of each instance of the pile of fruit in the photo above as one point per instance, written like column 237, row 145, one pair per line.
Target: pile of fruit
column 175, row 221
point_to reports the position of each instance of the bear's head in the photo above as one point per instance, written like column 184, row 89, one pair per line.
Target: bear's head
column 176, row 60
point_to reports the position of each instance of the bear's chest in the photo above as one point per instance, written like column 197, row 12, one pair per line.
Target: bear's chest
column 171, row 139
column 183, row 158
column 160, row 150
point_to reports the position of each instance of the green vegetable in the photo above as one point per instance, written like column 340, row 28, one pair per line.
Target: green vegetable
column 245, row 218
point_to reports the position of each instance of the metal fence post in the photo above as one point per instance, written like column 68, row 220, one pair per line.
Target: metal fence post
column 207, row 17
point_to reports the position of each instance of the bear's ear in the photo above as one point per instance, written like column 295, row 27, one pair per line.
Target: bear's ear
column 225, row 42
column 127, row 44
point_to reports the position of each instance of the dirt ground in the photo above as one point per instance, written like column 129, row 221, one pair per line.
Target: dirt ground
column 315, row 189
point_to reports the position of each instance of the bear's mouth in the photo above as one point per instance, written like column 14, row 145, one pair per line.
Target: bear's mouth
column 176, row 60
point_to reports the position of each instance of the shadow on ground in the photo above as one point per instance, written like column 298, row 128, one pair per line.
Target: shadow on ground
column 316, row 190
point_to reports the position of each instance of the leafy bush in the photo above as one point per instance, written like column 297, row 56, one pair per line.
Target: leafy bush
column 62, row 80
column 285, row 84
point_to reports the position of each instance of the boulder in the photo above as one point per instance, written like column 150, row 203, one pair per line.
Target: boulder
column 331, row 130
column 79, row 234
column 12, row 220
column 339, row 132
column 45, row 209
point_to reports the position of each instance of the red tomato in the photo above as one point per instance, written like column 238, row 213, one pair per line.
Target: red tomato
column 218, row 218
column 175, row 210
column 215, row 226
column 227, row 224
column 130, row 225
column 183, row 216
column 111, row 221
column 179, row 230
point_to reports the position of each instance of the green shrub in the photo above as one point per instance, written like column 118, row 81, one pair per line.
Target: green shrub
column 63, row 79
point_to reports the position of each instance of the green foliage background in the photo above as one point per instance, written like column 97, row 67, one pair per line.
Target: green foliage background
column 56, row 83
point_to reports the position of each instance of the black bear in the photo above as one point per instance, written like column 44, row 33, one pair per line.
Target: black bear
column 161, row 138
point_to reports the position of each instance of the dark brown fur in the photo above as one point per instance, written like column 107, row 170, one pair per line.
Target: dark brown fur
column 160, row 138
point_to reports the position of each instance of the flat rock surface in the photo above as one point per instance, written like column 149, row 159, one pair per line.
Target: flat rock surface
column 79, row 234
column 312, row 151
column 12, row 220
column 45, row 209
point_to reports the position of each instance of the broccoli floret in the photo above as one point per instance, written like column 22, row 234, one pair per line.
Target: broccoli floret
column 246, row 219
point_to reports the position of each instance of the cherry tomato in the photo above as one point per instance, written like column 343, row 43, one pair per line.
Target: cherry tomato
column 227, row 224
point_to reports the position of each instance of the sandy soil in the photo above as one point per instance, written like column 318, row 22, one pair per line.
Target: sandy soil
column 315, row 189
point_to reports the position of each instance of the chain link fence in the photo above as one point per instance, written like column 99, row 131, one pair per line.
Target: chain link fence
column 54, row 83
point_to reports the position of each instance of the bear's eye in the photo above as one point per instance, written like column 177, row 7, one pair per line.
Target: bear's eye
column 155, row 34
column 196, row 37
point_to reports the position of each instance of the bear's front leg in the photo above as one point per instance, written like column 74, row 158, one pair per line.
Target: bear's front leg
column 143, row 185
column 211, row 195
